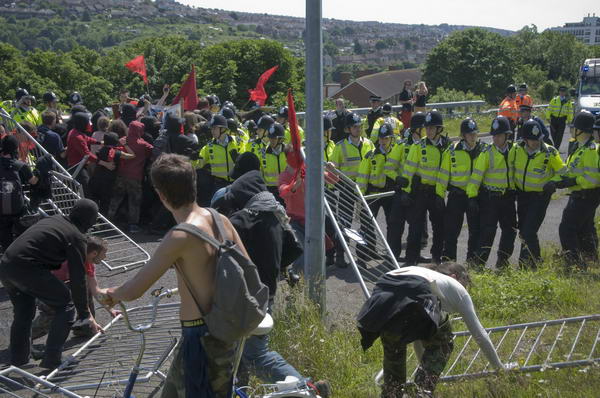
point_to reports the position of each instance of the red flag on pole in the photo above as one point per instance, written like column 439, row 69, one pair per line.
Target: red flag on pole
column 296, row 153
column 259, row 94
column 188, row 92
column 138, row 65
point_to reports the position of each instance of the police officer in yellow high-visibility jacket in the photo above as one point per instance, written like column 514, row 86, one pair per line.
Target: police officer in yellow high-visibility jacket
column 349, row 152
column 559, row 113
column 258, row 144
column 282, row 118
column 219, row 155
column 386, row 117
column 423, row 163
column 393, row 170
column 329, row 144
column 491, row 191
column 583, row 180
column 23, row 109
column 274, row 160
column 453, row 177
column 532, row 164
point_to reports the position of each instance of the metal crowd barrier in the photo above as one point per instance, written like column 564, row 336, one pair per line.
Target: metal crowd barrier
column 123, row 253
column 17, row 383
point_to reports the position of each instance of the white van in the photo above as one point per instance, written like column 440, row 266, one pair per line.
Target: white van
column 588, row 90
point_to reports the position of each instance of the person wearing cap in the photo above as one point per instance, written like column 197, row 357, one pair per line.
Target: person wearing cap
column 393, row 170
column 525, row 115
column 258, row 144
column 559, row 113
column 407, row 100
column 491, row 192
column 348, row 153
column 522, row 97
column 583, row 180
column 453, row 177
column 420, row 173
column 509, row 108
column 374, row 113
column 282, row 118
column 533, row 164
column 25, row 273
column 328, row 130
column 274, row 160
column 24, row 109
column 219, row 155
column 386, row 117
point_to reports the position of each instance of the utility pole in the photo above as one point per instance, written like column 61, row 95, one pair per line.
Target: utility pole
column 314, row 243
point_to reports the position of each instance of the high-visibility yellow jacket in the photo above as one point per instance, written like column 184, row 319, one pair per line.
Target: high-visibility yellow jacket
column 32, row 116
column 424, row 159
column 328, row 150
column 242, row 135
column 347, row 157
column 457, row 167
column 272, row 164
column 530, row 172
column 288, row 135
column 371, row 172
column 8, row 106
column 583, row 164
column 558, row 108
column 397, row 127
column 256, row 146
column 491, row 170
column 396, row 158
column 219, row 157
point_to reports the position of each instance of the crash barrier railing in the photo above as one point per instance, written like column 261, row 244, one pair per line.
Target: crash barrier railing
column 123, row 253
column 529, row 347
column 103, row 365
column 18, row 383
column 365, row 246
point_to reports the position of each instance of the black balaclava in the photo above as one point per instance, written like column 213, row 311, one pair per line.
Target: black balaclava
column 80, row 121
column 128, row 113
column 84, row 214
column 244, row 188
column 10, row 145
column 111, row 139
column 246, row 162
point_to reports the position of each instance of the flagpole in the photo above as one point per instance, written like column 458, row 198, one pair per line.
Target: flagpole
column 314, row 253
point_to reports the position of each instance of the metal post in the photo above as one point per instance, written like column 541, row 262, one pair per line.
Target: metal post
column 314, row 253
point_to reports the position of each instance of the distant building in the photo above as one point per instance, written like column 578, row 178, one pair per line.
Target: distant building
column 587, row 31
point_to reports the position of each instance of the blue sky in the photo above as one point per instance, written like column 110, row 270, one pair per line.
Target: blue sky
column 507, row 14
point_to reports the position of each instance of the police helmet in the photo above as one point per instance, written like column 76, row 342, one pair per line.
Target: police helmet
column 21, row 92
column 523, row 87
column 229, row 104
column 213, row 100
column 417, row 120
column 283, row 112
column 75, row 98
column 232, row 124
column 250, row 125
column 49, row 97
column 265, row 122
column 227, row 113
column 386, row 130
column 386, row 108
column 531, row 130
column 511, row 89
column 327, row 124
column 597, row 122
column 434, row 118
column 276, row 131
column 218, row 121
column 584, row 121
column 500, row 125
column 352, row 119
column 468, row 126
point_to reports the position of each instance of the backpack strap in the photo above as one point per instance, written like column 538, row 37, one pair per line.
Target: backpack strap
column 198, row 233
column 221, row 234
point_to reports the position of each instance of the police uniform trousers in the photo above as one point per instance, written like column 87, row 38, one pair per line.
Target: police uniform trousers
column 369, row 230
column 557, row 129
column 576, row 232
column 531, row 211
column 395, row 225
column 424, row 200
column 497, row 208
column 457, row 207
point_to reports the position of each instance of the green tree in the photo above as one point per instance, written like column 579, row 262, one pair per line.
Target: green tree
column 358, row 49
column 450, row 95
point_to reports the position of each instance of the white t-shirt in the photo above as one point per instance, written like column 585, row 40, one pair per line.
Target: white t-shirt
column 454, row 298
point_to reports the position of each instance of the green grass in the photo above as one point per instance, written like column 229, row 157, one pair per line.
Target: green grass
column 484, row 121
column 332, row 350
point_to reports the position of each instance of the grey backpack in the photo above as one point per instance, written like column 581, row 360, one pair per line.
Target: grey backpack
column 241, row 299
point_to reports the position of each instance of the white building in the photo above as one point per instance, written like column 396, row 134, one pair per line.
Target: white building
column 587, row 31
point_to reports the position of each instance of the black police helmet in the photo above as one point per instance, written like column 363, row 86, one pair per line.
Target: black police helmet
column 327, row 124
column 417, row 120
column 227, row 113
column 276, row 131
column 218, row 121
column 352, row 119
column 283, row 112
column 49, row 97
column 229, row 104
column 468, row 126
column 75, row 98
column 511, row 89
column 584, row 121
column 500, row 125
column 523, row 86
column 20, row 93
column 232, row 124
column 386, row 130
column 250, row 125
column 531, row 130
column 386, row 108
column 434, row 118
column 265, row 122
column 213, row 100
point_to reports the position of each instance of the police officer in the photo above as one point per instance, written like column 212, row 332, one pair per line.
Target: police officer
column 453, row 177
column 374, row 113
column 328, row 129
column 23, row 108
column 234, row 129
column 214, row 103
column 559, row 113
column 533, row 164
column 525, row 115
column 421, row 169
column 387, row 117
column 51, row 101
column 282, row 118
column 490, row 191
column 274, row 159
column 258, row 144
column 348, row 153
column 583, row 180
column 75, row 99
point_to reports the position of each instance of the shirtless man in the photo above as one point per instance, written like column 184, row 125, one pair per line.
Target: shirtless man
column 175, row 182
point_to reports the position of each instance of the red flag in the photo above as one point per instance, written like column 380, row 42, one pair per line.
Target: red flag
column 138, row 65
column 296, row 153
column 188, row 92
column 259, row 94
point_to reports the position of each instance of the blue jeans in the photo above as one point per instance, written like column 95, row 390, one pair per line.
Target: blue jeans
column 267, row 365
column 298, row 265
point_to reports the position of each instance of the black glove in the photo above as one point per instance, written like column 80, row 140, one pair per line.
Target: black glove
column 389, row 184
column 439, row 203
column 402, row 182
column 405, row 199
column 474, row 205
column 44, row 165
column 566, row 182
column 549, row 187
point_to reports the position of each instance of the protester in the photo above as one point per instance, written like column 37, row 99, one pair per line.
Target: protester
column 102, row 126
column 119, row 127
column 420, row 98
column 48, row 138
column 406, row 99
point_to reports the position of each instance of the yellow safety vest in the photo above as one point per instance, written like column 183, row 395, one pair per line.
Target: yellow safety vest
column 424, row 159
column 583, row 164
column 347, row 156
column 492, row 170
column 457, row 167
column 371, row 171
column 272, row 165
column 328, row 150
column 530, row 172
column 557, row 108
column 288, row 135
column 396, row 158
column 220, row 158
column 397, row 127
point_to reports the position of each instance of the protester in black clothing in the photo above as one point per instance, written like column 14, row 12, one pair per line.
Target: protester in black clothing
column 339, row 121
column 25, row 273
column 406, row 99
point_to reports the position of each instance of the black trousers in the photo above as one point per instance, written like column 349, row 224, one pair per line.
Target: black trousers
column 497, row 209
column 576, row 232
column 369, row 231
column 25, row 284
column 457, row 207
column 531, row 211
column 7, row 230
column 395, row 225
column 424, row 199
column 557, row 129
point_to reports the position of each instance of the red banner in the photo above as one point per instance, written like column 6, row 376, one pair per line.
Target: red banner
column 259, row 94
column 188, row 92
column 138, row 65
